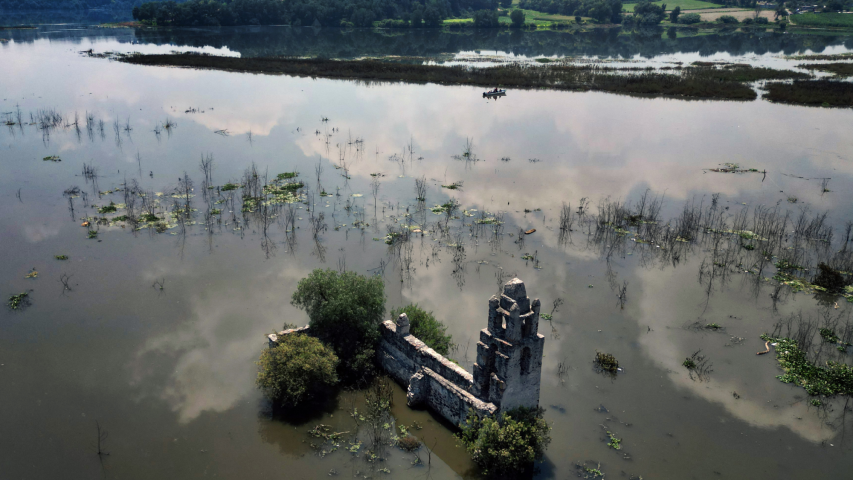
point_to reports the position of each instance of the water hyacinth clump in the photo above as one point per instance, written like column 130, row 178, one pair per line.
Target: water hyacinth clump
column 833, row 378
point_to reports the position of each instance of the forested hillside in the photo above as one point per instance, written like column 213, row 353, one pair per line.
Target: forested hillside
column 11, row 5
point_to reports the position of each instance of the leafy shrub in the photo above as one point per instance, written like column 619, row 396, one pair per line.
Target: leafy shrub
column 424, row 326
column 296, row 370
column 689, row 18
column 727, row 19
column 345, row 311
column 762, row 21
column 509, row 444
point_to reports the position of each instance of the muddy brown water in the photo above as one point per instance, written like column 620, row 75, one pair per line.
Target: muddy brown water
column 169, row 372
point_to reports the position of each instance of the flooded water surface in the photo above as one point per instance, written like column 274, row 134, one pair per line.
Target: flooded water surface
column 151, row 333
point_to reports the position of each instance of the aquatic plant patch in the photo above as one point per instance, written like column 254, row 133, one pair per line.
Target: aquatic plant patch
column 613, row 442
column 841, row 69
column 19, row 301
column 826, row 93
column 606, row 362
column 111, row 208
column 833, row 378
column 733, row 168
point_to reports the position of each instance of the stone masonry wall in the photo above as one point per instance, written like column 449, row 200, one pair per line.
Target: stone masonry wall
column 431, row 379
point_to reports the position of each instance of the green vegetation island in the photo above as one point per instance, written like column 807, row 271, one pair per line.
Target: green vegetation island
column 699, row 80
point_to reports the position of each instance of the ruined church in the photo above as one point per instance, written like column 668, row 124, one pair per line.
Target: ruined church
column 507, row 373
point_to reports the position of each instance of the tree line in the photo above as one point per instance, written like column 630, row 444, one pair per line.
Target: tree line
column 328, row 13
column 68, row 5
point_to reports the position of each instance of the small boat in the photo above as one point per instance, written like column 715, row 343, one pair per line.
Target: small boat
column 499, row 93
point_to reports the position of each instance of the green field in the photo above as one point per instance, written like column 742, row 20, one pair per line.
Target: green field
column 823, row 19
column 541, row 19
column 684, row 4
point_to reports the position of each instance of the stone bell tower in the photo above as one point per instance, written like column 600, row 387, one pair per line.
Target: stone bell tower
column 508, row 371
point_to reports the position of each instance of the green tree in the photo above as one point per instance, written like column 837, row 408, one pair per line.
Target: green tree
column 486, row 19
column 296, row 370
column 416, row 18
column 423, row 325
column 673, row 15
column 508, row 444
column 432, row 18
column 647, row 13
column 781, row 11
column 345, row 311
column 517, row 17
column 506, row 3
column 834, row 5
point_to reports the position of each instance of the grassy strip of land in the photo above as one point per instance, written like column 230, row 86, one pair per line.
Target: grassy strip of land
column 823, row 19
column 691, row 83
column 830, row 93
column 840, row 69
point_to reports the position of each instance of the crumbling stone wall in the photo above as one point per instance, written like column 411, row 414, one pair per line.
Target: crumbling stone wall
column 431, row 379
column 507, row 374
